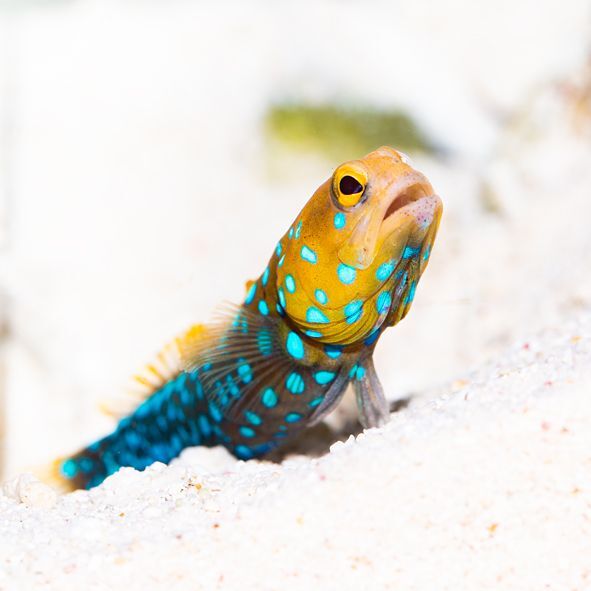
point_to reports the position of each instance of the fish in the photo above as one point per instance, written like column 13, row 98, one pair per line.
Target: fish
column 263, row 371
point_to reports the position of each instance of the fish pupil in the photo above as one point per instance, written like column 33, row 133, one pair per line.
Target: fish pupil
column 350, row 185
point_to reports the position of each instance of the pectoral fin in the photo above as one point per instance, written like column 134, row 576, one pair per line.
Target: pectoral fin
column 371, row 402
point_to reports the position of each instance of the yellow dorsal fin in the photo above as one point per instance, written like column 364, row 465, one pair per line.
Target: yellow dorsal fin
column 167, row 364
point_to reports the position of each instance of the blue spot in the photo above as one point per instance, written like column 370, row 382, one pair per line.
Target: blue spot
column 383, row 302
column 295, row 345
column 372, row 338
column 247, row 432
column 232, row 387
column 69, row 469
column 243, row 452
column 353, row 311
column 339, row 220
column 346, row 273
column 333, row 351
column 295, row 383
column 204, row 426
column 265, row 342
column 353, row 371
column 385, row 270
column 86, row 464
column 290, row 233
column 206, row 367
column 278, row 249
column 281, row 295
column 409, row 252
column 281, row 261
column 244, row 371
column 316, row 402
column 316, row 316
column 290, row 283
column 324, row 377
column 313, row 333
column 427, row 253
column 250, row 294
column 292, row 417
column 265, row 277
column 298, row 229
column 252, row 418
column 263, row 308
column 411, row 293
column 269, row 398
column 360, row 373
column 215, row 413
column 279, row 309
column 321, row 296
column 308, row 255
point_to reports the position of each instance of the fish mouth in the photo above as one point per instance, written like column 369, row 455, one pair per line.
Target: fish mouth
column 411, row 199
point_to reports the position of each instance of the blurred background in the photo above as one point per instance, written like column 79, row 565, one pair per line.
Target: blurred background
column 152, row 152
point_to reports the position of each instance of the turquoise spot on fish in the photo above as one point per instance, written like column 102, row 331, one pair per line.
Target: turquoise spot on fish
column 385, row 270
column 243, row 452
column 281, row 261
column 411, row 293
column 333, row 351
column 247, row 432
column 321, row 296
column 346, row 273
column 204, row 426
column 295, row 383
column 339, row 220
column 313, row 333
column 244, row 371
column 278, row 249
column 316, row 402
column 269, row 398
column 265, row 277
column 290, row 283
column 360, row 373
column 308, row 255
column 280, row 309
column 409, row 252
column 251, row 293
column 69, row 469
column 265, row 341
column 292, row 417
column 252, row 418
column 353, row 311
column 298, row 229
column 353, row 371
column 290, row 233
column 295, row 345
column 263, row 308
column 281, row 296
column 427, row 253
column 324, row 377
column 214, row 412
column 383, row 302
column 372, row 338
column 316, row 316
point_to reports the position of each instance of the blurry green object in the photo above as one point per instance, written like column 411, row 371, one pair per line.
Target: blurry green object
column 339, row 132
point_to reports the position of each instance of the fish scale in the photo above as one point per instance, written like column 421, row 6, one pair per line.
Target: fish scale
column 265, row 370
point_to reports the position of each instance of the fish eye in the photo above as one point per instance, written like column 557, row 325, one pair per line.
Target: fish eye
column 349, row 183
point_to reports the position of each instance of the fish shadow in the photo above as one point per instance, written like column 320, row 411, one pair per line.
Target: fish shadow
column 317, row 440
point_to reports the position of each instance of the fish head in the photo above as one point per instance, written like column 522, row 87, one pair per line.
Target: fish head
column 350, row 263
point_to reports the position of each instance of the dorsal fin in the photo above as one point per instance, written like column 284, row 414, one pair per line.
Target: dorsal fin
column 166, row 365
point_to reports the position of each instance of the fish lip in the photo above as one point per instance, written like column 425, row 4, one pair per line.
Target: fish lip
column 408, row 189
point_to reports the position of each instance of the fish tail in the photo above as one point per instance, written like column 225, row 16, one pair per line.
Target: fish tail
column 174, row 417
